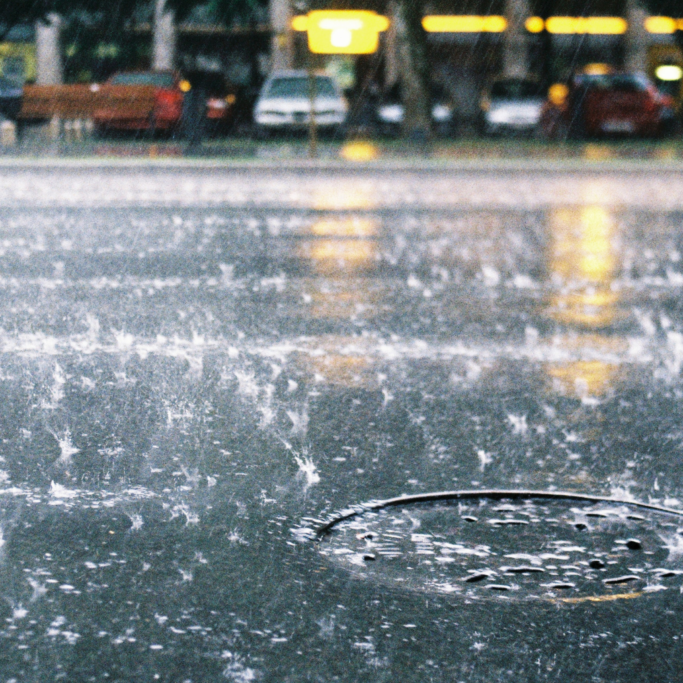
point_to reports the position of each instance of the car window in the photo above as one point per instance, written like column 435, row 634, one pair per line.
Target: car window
column 158, row 80
column 9, row 84
column 515, row 90
column 297, row 86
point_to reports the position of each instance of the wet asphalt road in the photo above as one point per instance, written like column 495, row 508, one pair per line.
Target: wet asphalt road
column 199, row 364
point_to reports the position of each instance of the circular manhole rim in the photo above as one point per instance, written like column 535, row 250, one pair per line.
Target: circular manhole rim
column 325, row 529
column 490, row 494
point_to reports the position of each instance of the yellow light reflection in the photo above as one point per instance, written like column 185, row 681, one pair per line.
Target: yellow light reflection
column 338, row 361
column 342, row 249
column 359, row 150
column 583, row 263
column 594, row 152
column 582, row 245
column 583, row 378
column 350, row 249
column 600, row 598
column 339, row 196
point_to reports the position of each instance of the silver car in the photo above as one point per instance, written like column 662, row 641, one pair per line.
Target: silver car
column 512, row 106
column 284, row 104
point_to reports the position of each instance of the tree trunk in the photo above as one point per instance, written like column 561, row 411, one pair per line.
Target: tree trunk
column 164, row 38
column 414, row 68
column 48, row 51
column 637, row 38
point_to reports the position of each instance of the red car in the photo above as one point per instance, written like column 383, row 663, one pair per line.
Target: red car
column 604, row 103
column 141, row 101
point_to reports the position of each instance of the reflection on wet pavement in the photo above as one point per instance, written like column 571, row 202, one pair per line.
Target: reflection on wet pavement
column 196, row 367
column 584, row 268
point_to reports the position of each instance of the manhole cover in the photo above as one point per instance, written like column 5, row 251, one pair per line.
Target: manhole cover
column 521, row 546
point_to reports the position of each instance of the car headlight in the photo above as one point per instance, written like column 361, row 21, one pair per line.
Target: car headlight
column 441, row 112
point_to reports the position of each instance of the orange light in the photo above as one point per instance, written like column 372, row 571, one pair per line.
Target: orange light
column 557, row 94
column 342, row 32
column 534, row 24
column 597, row 69
column 660, row 25
column 589, row 25
column 454, row 23
column 359, row 150
column 185, row 86
column 230, row 99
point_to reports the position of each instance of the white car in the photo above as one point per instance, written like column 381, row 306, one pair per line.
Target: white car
column 285, row 104
column 512, row 106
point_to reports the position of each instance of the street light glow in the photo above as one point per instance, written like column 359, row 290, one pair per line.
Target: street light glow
column 534, row 24
column 660, row 25
column 465, row 23
column 669, row 72
column 587, row 25
column 454, row 23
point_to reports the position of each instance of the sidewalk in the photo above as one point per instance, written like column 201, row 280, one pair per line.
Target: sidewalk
column 36, row 148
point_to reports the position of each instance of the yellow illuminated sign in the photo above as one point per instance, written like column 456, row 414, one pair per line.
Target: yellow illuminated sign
column 454, row 23
column 342, row 32
column 589, row 25
column 660, row 25
column 534, row 24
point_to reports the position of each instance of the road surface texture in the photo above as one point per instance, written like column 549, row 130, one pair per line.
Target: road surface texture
column 201, row 364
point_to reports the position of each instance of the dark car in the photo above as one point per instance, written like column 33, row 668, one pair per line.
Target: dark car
column 11, row 94
column 218, row 98
column 390, row 111
column 605, row 103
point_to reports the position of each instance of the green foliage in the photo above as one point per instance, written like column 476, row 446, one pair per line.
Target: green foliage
column 25, row 11
column 222, row 11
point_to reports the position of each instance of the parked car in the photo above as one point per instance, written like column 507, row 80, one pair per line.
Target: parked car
column 218, row 100
column 390, row 111
column 284, row 104
column 220, row 104
column 141, row 101
column 512, row 106
column 11, row 94
column 604, row 102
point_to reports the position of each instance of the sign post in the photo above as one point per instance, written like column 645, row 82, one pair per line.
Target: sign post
column 336, row 32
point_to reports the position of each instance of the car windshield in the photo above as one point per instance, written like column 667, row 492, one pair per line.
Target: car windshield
column 619, row 82
column 516, row 90
column 297, row 86
column 437, row 93
column 158, row 80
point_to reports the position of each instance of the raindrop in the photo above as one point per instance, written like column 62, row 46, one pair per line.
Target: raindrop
column 523, row 570
column 621, row 579
column 596, row 564
column 560, row 585
column 634, row 544
column 475, row 578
